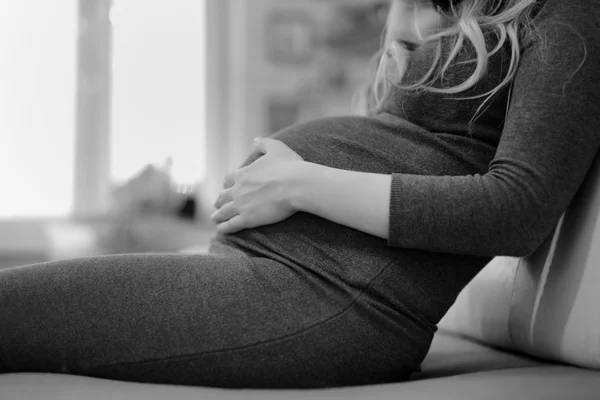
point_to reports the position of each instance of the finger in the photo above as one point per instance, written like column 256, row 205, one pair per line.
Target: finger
column 224, row 198
column 265, row 145
column 229, row 180
column 233, row 225
column 225, row 213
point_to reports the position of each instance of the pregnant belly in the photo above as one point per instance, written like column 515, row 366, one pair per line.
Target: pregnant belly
column 385, row 145
column 377, row 145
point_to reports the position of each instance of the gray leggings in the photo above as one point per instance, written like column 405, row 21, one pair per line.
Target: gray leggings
column 222, row 319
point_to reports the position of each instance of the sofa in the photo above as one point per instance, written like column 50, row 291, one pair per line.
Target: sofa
column 524, row 328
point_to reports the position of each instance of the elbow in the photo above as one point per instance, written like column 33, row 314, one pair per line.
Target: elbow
column 526, row 242
column 520, row 249
column 526, row 220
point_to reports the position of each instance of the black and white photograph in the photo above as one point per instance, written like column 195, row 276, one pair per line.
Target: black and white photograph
column 300, row 199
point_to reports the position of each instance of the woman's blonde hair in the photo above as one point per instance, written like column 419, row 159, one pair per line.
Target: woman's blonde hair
column 470, row 20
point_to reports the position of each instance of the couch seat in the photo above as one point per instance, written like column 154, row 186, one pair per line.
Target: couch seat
column 456, row 368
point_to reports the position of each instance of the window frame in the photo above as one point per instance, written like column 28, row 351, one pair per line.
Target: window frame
column 25, row 237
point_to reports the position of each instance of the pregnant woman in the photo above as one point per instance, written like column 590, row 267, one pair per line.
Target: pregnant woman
column 342, row 242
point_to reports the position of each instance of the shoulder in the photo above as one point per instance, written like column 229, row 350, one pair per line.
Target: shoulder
column 581, row 16
column 566, row 8
column 567, row 34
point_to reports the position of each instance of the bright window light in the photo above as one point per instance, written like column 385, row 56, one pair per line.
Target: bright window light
column 158, row 87
column 38, row 41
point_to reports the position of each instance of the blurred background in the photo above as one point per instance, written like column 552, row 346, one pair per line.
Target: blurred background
column 120, row 118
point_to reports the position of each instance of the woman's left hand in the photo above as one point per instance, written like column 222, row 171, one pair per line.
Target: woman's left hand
column 260, row 193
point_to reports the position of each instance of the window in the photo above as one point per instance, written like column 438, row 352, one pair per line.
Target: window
column 157, row 101
column 158, row 87
column 38, row 40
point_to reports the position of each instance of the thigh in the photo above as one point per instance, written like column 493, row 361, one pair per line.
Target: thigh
column 109, row 316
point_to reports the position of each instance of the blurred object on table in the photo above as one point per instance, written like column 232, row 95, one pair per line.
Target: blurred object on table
column 152, row 191
column 151, row 213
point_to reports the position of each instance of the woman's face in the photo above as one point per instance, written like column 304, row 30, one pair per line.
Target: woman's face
column 409, row 21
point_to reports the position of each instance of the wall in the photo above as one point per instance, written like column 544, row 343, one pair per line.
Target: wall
column 254, row 77
column 241, row 79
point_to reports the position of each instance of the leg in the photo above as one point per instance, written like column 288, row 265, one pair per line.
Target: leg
column 217, row 320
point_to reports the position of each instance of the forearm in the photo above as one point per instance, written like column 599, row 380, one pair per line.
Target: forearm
column 468, row 215
column 355, row 199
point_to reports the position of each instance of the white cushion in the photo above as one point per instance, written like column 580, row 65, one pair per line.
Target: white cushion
column 546, row 304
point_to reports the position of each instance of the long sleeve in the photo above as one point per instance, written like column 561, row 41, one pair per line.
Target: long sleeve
column 549, row 140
